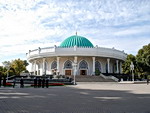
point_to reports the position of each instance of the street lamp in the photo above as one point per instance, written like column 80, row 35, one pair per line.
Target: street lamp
column 132, row 68
column 8, row 68
column 75, row 70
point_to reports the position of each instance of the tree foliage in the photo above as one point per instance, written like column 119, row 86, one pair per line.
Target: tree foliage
column 18, row 65
column 141, row 62
column 6, row 64
column 14, row 67
column 126, row 65
column 26, row 63
column 2, row 71
column 143, row 59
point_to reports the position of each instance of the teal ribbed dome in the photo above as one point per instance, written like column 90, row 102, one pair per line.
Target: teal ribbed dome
column 76, row 40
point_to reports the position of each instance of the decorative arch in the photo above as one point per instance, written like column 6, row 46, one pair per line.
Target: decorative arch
column 83, row 65
column 98, row 66
column 68, row 64
column 54, row 65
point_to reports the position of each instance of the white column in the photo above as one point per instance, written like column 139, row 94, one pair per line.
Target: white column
column 58, row 58
column 121, row 67
column 93, row 65
column 43, row 69
column 38, row 69
column 32, row 67
column 38, row 73
column 117, row 66
column 75, row 59
column 35, row 67
column 75, row 63
column 108, row 61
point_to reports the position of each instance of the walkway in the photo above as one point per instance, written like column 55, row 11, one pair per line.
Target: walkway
column 82, row 98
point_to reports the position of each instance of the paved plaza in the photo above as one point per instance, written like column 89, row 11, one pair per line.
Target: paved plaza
column 82, row 98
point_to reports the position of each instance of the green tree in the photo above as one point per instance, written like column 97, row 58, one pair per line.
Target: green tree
column 6, row 64
column 127, row 63
column 12, row 71
column 143, row 60
column 18, row 65
column 3, row 71
column 26, row 63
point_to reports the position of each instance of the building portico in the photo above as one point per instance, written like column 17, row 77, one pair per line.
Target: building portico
column 85, row 66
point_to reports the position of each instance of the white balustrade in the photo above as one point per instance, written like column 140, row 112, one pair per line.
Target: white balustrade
column 79, row 51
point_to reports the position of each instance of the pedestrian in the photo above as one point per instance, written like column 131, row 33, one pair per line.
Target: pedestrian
column 39, row 82
column 14, row 82
column 147, row 80
column 43, row 83
column 35, row 82
column 21, row 83
column 4, row 81
column 0, row 81
column 47, row 82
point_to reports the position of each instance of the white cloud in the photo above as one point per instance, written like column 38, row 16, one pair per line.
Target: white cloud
column 133, row 30
column 29, row 24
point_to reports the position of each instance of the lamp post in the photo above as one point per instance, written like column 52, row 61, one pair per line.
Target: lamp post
column 75, row 70
column 132, row 68
column 7, row 67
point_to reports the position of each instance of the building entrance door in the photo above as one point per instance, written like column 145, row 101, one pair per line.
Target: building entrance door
column 83, row 72
column 67, row 72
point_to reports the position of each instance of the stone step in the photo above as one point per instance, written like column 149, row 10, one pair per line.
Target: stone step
column 88, row 78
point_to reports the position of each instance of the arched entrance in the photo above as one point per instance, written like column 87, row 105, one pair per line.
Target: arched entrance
column 68, row 67
column 83, row 72
column 54, row 67
column 83, row 66
column 97, row 68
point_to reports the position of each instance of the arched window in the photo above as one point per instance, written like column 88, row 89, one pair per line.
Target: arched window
column 98, row 66
column 68, row 64
column 54, row 65
column 83, row 65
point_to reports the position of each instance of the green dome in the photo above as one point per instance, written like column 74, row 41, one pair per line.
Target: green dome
column 76, row 40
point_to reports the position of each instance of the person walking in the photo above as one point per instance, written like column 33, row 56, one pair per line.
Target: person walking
column 21, row 83
column 0, row 81
column 35, row 82
column 147, row 80
column 14, row 82
column 39, row 82
column 47, row 82
column 4, row 81
column 43, row 83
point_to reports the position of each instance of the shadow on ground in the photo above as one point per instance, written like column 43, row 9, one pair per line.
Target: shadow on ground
column 71, row 100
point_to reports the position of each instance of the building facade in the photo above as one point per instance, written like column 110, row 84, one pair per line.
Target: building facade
column 76, row 55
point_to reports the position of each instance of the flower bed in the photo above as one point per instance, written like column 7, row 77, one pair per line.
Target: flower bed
column 51, row 84
column 8, row 84
column 56, row 84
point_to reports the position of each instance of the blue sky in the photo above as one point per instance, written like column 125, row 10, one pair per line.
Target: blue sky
column 29, row 24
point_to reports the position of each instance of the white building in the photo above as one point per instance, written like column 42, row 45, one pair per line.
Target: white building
column 76, row 55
